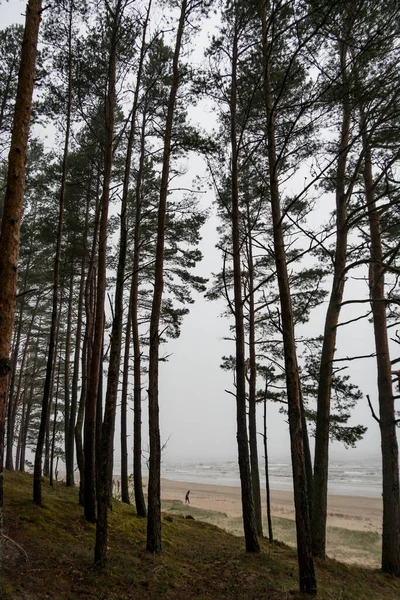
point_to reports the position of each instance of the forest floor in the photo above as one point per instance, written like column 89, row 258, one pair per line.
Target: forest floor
column 48, row 554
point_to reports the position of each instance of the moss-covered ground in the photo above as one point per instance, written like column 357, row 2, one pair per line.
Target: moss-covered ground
column 48, row 553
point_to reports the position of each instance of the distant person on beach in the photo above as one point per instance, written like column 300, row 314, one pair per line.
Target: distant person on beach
column 187, row 501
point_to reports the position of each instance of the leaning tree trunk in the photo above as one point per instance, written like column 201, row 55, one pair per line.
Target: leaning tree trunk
column 249, row 521
column 303, row 526
column 153, row 543
column 321, row 455
column 387, row 413
column 12, row 212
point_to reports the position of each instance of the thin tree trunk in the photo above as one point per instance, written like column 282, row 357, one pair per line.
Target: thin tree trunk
column 20, row 431
column 10, row 424
column 12, row 214
column 255, row 474
column 14, row 399
column 94, row 348
column 134, row 303
column 53, row 436
column 267, row 488
column 10, row 420
column 249, row 521
column 37, row 474
column 154, row 500
column 303, row 527
column 69, row 451
column 321, row 455
column 46, row 465
column 107, row 433
column 30, row 400
column 87, row 340
column 387, row 413
column 75, row 377
column 124, row 407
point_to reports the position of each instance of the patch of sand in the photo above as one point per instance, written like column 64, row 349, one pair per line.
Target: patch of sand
column 349, row 512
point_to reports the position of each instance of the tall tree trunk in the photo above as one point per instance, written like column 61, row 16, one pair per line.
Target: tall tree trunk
column 46, row 465
column 134, row 303
column 303, row 527
column 12, row 213
column 94, row 332
column 387, row 413
column 153, row 543
column 75, row 378
column 249, row 521
column 87, row 339
column 107, row 432
column 255, row 474
column 37, row 473
column 321, row 455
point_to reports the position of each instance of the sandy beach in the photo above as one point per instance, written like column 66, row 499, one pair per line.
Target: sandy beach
column 349, row 512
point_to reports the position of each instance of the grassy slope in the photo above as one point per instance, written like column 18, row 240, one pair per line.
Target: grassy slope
column 52, row 552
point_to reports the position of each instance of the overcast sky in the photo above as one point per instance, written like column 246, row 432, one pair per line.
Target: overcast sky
column 195, row 411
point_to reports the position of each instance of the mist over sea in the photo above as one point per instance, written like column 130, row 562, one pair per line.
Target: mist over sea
column 350, row 477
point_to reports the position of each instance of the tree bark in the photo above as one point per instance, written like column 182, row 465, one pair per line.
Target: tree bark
column 153, row 543
column 387, row 413
column 12, row 211
column 303, row 527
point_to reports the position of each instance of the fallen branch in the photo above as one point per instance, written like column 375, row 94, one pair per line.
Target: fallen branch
column 16, row 544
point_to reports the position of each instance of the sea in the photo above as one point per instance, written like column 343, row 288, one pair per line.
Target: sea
column 350, row 477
